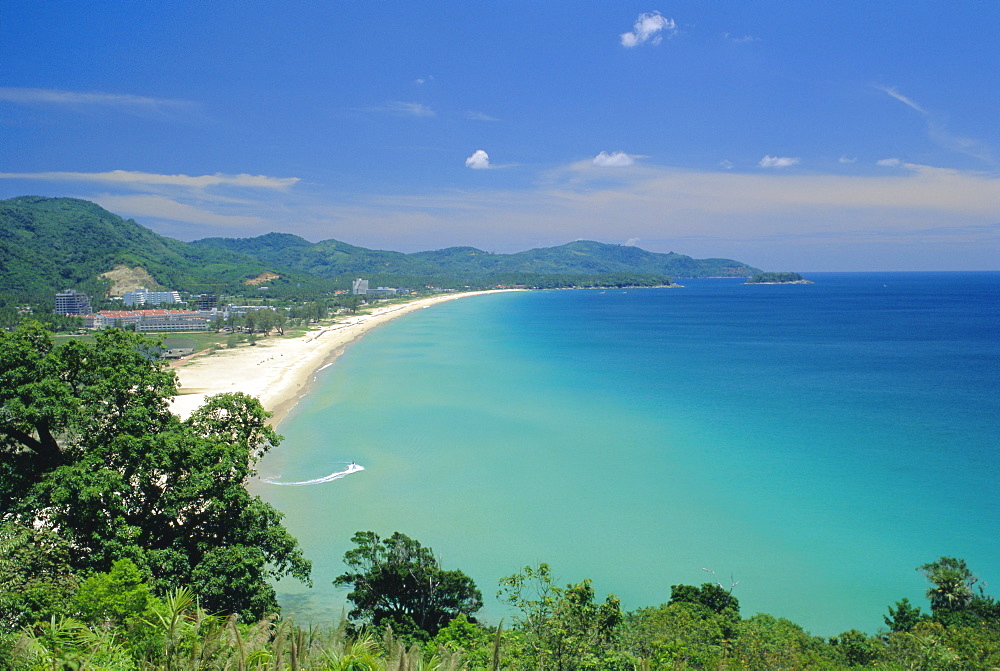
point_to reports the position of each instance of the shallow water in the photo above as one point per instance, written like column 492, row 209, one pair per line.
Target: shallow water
column 814, row 443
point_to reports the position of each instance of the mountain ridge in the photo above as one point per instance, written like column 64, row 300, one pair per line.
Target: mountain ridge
column 49, row 244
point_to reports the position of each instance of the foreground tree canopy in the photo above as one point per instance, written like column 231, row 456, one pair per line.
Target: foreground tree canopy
column 398, row 581
column 89, row 451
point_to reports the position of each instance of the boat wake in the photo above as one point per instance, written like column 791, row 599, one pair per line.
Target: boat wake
column 353, row 468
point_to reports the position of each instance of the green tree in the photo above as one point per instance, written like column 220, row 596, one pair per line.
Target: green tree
column 472, row 640
column 856, row 648
column 903, row 617
column 89, row 446
column 116, row 597
column 280, row 319
column 36, row 579
column 766, row 642
column 562, row 628
column 952, row 584
column 397, row 581
column 250, row 321
column 265, row 321
column 673, row 634
column 953, row 599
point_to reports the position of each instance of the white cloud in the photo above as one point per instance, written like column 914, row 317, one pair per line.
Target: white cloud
column 726, row 164
column 632, row 242
column 647, row 29
column 479, row 116
column 778, row 161
column 901, row 98
column 617, row 159
column 847, row 159
column 143, row 106
column 145, row 179
column 739, row 40
column 937, row 130
column 889, row 162
column 161, row 207
column 479, row 160
column 410, row 109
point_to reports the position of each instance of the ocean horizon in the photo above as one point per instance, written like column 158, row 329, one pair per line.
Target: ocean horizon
column 807, row 445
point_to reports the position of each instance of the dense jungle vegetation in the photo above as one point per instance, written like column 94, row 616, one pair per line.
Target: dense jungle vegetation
column 128, row 540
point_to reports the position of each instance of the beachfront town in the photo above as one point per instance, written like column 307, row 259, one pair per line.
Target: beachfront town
column 144, row 311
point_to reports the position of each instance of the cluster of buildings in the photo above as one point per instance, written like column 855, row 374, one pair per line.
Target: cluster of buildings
column 143, row 296
column 74, row 303
column 156, row 319
column 77, row 304
column 360, row 288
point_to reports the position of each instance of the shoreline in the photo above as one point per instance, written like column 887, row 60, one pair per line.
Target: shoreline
column 279, row 371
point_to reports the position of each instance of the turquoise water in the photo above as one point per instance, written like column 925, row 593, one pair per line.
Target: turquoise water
column 813, row 443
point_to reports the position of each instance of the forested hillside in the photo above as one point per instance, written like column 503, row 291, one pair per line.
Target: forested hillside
column 50, row 244
column 583, row 257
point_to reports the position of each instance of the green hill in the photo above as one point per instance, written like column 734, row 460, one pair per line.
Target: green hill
column 331, row 258
column 49, row 244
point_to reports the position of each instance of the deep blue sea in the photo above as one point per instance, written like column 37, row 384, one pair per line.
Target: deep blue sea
column 813, row 444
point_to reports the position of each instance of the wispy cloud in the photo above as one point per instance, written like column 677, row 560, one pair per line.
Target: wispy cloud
column 778, row 161
column 410, row 109
column 889, row 162
column 479, row 116
column 892, row 91
column 938, row 131
column 617, row 159
column 78, row 99
column 648, row 28
column 163, row 207
column 146, row 179
column 479, row 160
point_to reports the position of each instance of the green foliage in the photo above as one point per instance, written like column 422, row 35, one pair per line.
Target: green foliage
column 116, row 597
column 855, row 648
column 467, row 637
column 88, row 442
column 561, row 628
column 953, row 600
column 36, row 579
column 398, row 582
column 952, row 584
column 50, row 244
column 710, row 596
column 903, row 617
column 675, row 634
column 557, row 628
column 766, row 642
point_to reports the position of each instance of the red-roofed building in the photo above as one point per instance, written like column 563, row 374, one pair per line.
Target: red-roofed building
column 154, row 320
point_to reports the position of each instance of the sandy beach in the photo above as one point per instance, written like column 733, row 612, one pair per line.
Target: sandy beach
column 278, row 370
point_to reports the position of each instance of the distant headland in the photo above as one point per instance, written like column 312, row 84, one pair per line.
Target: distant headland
column 777, row 278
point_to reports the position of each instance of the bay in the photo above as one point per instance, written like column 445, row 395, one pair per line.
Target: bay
column 811, row 443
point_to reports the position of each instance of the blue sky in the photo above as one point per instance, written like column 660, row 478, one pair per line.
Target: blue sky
column 792, row 136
